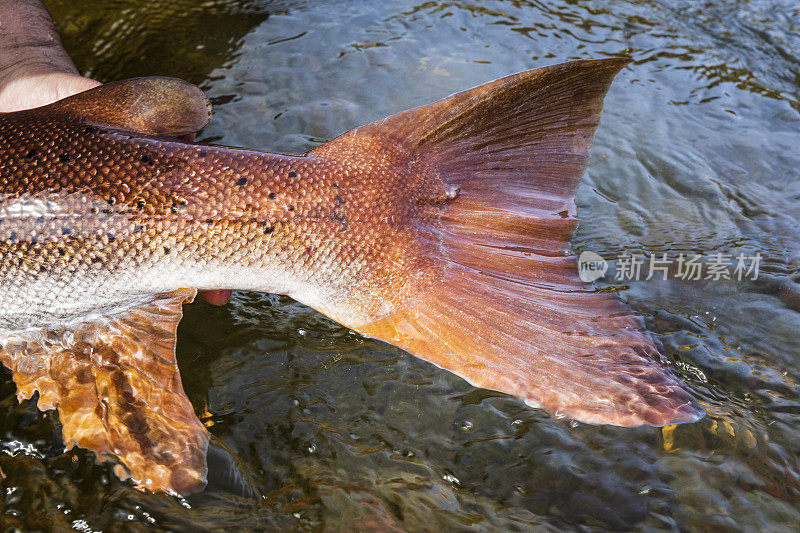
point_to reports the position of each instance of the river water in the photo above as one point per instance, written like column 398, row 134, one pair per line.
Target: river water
column 698, row 154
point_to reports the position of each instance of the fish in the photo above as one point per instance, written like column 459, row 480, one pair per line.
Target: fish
column 443, row 230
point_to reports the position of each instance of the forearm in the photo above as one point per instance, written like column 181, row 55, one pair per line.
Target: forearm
column 29, row 42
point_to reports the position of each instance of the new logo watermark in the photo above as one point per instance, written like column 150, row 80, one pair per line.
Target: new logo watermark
column 591, row 266
column 633, row 267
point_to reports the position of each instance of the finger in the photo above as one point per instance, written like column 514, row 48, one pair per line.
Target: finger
column 216, row 297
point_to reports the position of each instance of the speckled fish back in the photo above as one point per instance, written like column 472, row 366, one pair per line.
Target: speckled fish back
column 111, row 216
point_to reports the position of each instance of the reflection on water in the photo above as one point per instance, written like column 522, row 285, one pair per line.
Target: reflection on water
column 112, row 40
column 697, row 153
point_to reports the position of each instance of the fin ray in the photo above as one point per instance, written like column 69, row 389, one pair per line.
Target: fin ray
column 501, row 303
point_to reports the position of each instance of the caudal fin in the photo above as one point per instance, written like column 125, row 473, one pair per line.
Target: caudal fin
column 491, row 292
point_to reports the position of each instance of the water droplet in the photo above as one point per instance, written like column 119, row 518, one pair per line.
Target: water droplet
column 450, row 478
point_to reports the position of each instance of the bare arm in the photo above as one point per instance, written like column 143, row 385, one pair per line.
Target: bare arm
column 35, row 69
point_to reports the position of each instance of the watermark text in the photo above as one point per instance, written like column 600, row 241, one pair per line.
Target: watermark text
column 687, row 267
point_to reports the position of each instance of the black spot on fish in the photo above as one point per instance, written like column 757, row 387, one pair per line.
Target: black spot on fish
column 112, row 201
column 13, row 235
column 89, row 129
column 293, row 174
column 94, row 210
column 209, row 221
column 166, row 250
column 148, row 159
column 140, row 204
column 341, row 218
column 137, row 228
column 42, row 268
column 291, row 208
column 96, row 259
column 40, row 220
column 64, row 158
column 271, row 196
column 241, row 181
column 268, row 230
column 31, row 153
column 111, row 237
column 174, row 207
column 202, row 154
column 62, row 252
column 65, row 231
column 336, row 186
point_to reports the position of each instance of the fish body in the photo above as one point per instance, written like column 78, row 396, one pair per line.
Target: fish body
column 101, row 219
column 443, row 230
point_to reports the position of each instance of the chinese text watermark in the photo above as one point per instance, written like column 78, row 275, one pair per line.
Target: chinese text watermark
column 695, row 267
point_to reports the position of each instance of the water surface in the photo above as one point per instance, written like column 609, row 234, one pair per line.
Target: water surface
column 697, row 153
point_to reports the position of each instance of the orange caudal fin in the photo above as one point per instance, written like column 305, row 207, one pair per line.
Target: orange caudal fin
column 497, row 299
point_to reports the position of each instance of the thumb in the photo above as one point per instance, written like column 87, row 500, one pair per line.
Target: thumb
column 36, row 89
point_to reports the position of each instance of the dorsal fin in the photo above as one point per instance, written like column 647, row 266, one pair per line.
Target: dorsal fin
column 152, row 106
column 115, row 383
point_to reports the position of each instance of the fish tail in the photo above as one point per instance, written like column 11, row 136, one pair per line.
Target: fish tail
column 475, row 272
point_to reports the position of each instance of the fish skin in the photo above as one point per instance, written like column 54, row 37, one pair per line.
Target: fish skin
column 93, row 219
